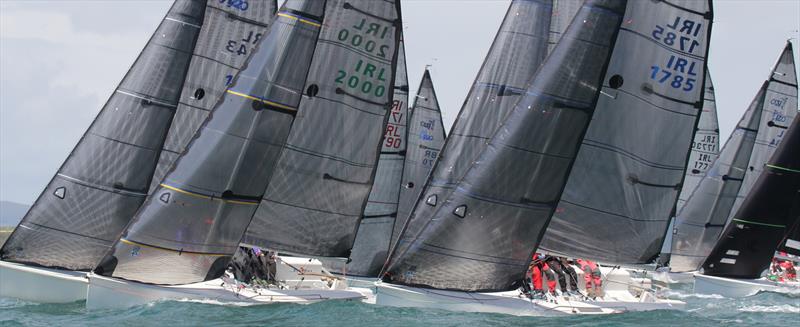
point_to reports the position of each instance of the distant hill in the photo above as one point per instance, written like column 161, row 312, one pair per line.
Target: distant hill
column 11, row 213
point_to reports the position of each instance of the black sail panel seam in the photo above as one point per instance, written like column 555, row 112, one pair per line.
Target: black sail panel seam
column 107, row 243
column 125, row 143
column 356, row 50
column 310, row 209
column 347, row 5
column 611, row 148
column 676, row 51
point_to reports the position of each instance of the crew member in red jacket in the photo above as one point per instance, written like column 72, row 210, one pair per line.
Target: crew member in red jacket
column 592, row 276
column 541, row 268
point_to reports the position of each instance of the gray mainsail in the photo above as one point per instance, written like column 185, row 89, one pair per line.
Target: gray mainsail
column 480, row 236
column 192, row 224
column 705, row 146
column 705, row 149
column 426, row 138
column 372, row 240
column 711, row 206
column 780, row 101
column 227, row 39
column 518, row 50
column 106, row 177
column 624, row 187
column 314, row 202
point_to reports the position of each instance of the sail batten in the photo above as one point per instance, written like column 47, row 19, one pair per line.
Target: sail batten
column 103, row 181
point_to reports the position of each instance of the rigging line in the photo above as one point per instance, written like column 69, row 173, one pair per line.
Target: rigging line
column 350, row 48
column 240, row 18
column 706, row 15
column 331, row 177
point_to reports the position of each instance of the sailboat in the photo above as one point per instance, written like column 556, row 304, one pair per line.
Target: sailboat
column 107, row 176
column 712, row 205
column 424, row 135
column 467, row 248
column 273, row 166
column 767, row 215
column 704, row 152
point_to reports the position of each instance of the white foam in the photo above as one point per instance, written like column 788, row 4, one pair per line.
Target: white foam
column 216, row 302
column 682, row 295
column 784, row 308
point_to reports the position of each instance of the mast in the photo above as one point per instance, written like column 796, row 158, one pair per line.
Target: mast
column 480, row 236
column 227, row 39
column 711, row 206
column 624, row 187
column 197, row 215
column 106, row 177
column 766, row 216
column 372, row 239
column 315, row 200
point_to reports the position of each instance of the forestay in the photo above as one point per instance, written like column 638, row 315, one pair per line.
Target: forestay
column 625, row 183
column 229, row 35
column 518, row 50
column 766, row 216
column 314, row 202
column 106, row 177
column 372, row 240
column 192, row 224
column 480, row 236
column 712, row 205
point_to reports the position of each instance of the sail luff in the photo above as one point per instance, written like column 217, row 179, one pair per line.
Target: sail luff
column 106, row 177
column 480, row 237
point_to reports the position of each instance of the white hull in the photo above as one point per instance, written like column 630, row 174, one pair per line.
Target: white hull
column 732, row 287
column 511, row 303
column 666, row 278
column 43, row 285
column 107, row 292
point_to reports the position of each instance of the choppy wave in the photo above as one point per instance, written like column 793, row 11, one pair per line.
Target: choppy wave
column 683, row 295
column 786, row 308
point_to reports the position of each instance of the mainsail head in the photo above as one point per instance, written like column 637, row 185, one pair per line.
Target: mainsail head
column 480, row 235
column 106, row 178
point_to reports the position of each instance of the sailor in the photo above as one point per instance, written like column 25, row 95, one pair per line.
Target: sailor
column 561, row 267
column 592, row 277
column 789, row 273
column 541, row 268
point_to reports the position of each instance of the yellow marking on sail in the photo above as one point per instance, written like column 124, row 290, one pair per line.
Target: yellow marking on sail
column 206, row 196
column 315, row 24
column 129, row 242
column 262, row 100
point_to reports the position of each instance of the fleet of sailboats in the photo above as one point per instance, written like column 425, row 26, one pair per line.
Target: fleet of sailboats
column 289, row 130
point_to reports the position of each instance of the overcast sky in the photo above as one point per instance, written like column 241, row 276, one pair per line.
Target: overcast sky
column 60, row 61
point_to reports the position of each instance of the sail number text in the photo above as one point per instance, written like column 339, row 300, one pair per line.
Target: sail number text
column 680, row 34
column 241, row 46
column 394, row 136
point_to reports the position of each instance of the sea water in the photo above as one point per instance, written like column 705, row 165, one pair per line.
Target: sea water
column 763, row 309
